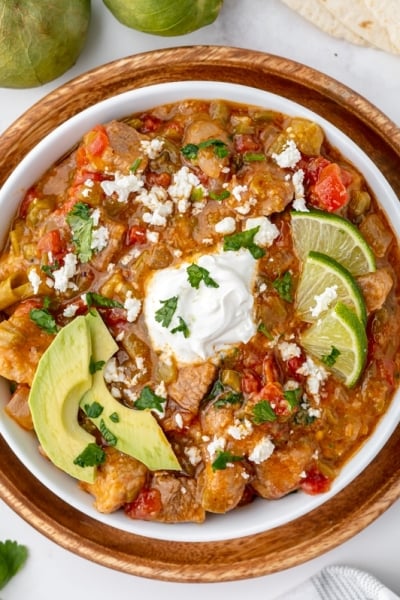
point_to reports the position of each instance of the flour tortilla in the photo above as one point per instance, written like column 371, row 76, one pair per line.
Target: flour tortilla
column 374, row 23
column 361, row 20
column 387, row 13
column 321, row 17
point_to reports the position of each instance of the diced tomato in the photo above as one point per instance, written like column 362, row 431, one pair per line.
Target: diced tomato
column 30, row 195
column 96, row 141
column 162, row 179
column 245, row 142
column 293, row 364
column 315, row 482
column 146, row 506
column 329, row 192
column 150, row 123
column 250, row 382
column 270, row 370
column 113, row 317
column 312, row 169
column 136, row 234
column 25, row 307
column 52, row 242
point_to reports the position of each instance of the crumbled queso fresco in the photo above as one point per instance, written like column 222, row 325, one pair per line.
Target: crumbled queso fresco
column 176, row 227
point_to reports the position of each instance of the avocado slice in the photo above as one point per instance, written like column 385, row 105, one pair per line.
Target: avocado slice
column 134, row 432
column 60, row 381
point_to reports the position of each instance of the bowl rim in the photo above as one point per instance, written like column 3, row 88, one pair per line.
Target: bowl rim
column 234, row 57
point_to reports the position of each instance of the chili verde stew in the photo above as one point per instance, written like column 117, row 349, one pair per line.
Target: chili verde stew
column 200, row 306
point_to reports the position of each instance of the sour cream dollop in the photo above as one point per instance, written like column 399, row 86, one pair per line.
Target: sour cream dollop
column 217, row 317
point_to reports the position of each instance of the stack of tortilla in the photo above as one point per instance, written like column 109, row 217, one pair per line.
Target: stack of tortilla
column 374, row 23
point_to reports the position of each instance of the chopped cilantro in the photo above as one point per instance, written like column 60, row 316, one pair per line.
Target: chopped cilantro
column 109, row 437
column 95, row 366
column 229, row 397
column 136, row 164
column 331, row 358
column 81, row 224
column 94, row 299
column 181, row 327
column 43, row 319
column 93, row 410
column 284, row 286
column 190, row 151
column 12, row 558
column 166, row 312
column 302, row 417
column 253, row 156
column 292, row 397
column 149, row 399
column 198, row 274
column 48, row 269
column 114, row 417
column 262, row 328
column 91, row 456
column 219, row 196
column 223, row 459
column 263, row 412
column 216, row 389
column 244, row 239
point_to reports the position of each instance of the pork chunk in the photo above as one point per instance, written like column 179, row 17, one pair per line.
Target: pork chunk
column 375, row 288
column 179, row 499
column 119, row 480
column 191, row 385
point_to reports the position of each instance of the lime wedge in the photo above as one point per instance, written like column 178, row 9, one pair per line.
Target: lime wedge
column 334, row 236
column 339, row 339
column 323, row 283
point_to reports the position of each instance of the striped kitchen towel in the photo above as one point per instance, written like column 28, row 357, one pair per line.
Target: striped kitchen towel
column 340, row 583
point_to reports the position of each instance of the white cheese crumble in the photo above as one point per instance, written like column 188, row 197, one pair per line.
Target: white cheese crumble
column 63, row 275
column 34, row 280
column 240, row 429
column 315, row 374
column 155, row 200
column 267, row 233
column 193, row 454
column 324, row 301
column 100, row 237
column 216, row 445
column 238, row 190
column 70, row 310
column 179, row 420
column 152, row 148
column 152, row 236
column 181, row 188
column 262, row 451
column 122, row 186
column 133, row 307
column 289, row 350
column 288, row 157
column 226, row 225
column 299, row 202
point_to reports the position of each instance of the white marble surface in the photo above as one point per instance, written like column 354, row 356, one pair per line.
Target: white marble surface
column 269, row 26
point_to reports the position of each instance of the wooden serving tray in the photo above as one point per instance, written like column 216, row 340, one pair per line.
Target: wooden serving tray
column 370, row 494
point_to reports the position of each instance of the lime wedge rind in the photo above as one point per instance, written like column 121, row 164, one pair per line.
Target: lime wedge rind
column 342, row 329
column 334, row 236
column 319, row 273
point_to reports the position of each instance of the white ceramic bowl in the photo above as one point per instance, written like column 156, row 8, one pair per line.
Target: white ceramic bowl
column 261, row 515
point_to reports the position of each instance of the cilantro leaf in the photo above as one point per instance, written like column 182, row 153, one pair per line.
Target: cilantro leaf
column 95, row 366
column 181, row 327
column 223, row 459
column 292, row 397
column 263, row 412
column 229, row 397
column 108, row 435
column 197, row 274
column 114, row 417
column 81, row 224
column 190, row 151
column 166, row 312
column 12, row 558
column 262, row 328
column 91, row 456
column 331, row 358
column 43, row 319
column 135, row 165
column 284, row 286
column 219, row 196
column 149, row 399
column 94, row 299
column 93, row 410
column 244, row 239
column 253, row 156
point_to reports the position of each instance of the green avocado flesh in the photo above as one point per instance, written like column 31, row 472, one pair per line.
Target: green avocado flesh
column 63, row 383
